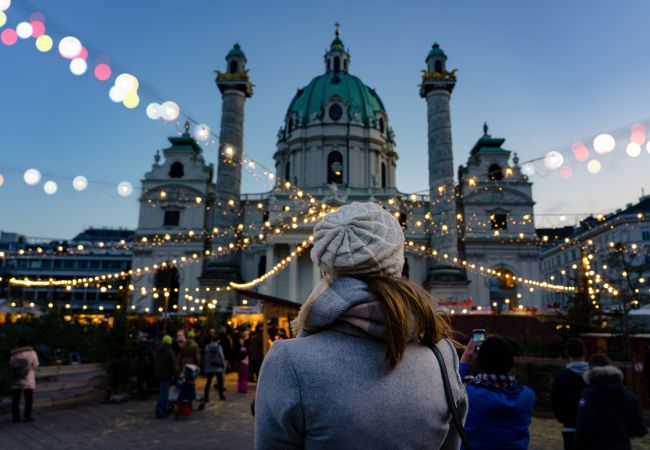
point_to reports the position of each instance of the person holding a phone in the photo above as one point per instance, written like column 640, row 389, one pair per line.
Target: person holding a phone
column 500, row 409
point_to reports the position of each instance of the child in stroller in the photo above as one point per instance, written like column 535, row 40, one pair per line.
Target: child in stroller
column 186, row 391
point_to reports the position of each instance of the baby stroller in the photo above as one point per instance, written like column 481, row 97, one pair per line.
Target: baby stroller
column 186, row 386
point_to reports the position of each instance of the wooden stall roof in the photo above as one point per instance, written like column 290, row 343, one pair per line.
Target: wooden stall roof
column 508, row 326
column 269, row 299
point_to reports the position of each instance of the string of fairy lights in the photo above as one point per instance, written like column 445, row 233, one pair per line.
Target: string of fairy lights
column 126, row 89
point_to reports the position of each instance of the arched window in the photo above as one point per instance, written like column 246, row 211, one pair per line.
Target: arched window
column 233, row 67
column 167, row 278
column 383, row 175
column 335, row 168
column 176, row 170
column 287, row 171
column 495, row 172
column 265, row 216
column 381, row 124
column 437, row 66
column 345, row 64
column 290, row 125
column 328, row 65
column 507, row 279
column 337, row 64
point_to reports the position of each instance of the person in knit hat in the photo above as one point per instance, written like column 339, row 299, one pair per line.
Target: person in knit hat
column 500, row 409
column 361, row 373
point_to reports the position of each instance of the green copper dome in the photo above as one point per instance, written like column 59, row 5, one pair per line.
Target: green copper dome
column 436, row 51
column 236, row 52
column 348, row 88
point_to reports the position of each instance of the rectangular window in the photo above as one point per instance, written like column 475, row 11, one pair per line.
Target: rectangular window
column 645, row 235
column 94, row 264
column 499, row 221
column 83, row 264
column 172, row 218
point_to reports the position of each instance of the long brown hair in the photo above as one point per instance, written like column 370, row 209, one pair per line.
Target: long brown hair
column 403, row 301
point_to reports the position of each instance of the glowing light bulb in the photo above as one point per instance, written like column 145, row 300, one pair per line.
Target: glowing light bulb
column 8, row 37
column 80, row 183
column 24, row 30
column 170, row 111
column 633, row 149
column 70, row 47
column 201, row 132
column 154, row 111
column 594, row 166
column 78, row 66
column 44, row 43
column 102, row 72
column 50, row 187
column 604, row 143
column 553, row 160
column 32, row 177
column 125, row 188
column 528, row 169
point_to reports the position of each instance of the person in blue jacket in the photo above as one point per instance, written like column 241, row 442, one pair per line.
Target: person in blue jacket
column 500, row 409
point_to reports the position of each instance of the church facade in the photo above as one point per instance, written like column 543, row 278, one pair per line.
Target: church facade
column 335, row 146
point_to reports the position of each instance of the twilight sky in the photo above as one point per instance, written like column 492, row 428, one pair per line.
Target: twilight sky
column 542, row 74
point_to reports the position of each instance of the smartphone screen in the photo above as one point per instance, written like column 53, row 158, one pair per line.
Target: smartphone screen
column 479, row 336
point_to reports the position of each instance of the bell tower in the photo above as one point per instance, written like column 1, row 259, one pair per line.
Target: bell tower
column 235, row 88
column 437, row 85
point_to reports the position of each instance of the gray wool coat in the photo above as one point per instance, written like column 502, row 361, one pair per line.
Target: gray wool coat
column 332, row 389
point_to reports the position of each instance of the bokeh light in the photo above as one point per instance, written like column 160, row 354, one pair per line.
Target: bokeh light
column 637, row 133
column 633, row 149
column 125, row 82
column 24, row 30
column 38, row 28
column 170, row 111
column 153, row 111
column 9, row 36
column 78, row 66
column 116, row 95
column 32, row 177
column 102, row 72
column 566, row 172
column 594, row 166
column 604, row 143
column 201, row 132
column 2, row 180
column 83, row 54
column 44, row 43
column 647, row 147
column 50, row 187
column 37, row 17
column 553, row 160
column 4, row 5
column 3, row 19
column 131, row 100
column 80, row 183
column 527, row 169
column 580, row 151
column 125, row 188
column 69, row 47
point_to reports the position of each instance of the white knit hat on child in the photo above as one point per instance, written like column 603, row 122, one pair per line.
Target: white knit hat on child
column 359, row 239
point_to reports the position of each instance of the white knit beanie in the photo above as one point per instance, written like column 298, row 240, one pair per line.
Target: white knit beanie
column 359, row 239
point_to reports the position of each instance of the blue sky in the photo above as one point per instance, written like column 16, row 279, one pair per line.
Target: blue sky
column 542, row 74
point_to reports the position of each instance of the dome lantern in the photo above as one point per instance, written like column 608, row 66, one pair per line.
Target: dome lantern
column 337, row 59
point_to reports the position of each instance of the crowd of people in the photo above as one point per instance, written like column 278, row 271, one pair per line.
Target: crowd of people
column 213, row 354
column 375, row 366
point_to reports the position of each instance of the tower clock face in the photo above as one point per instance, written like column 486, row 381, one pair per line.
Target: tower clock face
column 336, row 112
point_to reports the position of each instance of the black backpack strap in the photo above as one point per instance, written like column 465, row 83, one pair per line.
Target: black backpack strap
column 458, row 423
